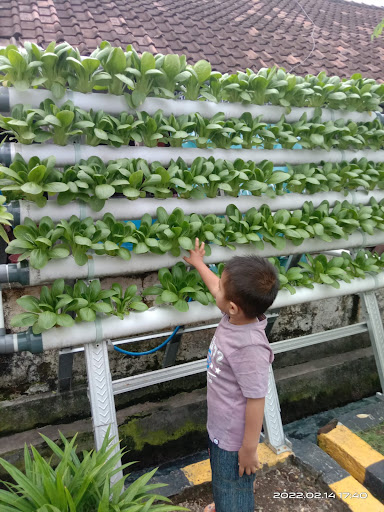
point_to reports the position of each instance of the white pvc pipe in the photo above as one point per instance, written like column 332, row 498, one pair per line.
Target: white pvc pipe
column 71, row 154
column 101, row 266
column 164, row 317
column 125, row 209
column 2, row 327
column 116, row 104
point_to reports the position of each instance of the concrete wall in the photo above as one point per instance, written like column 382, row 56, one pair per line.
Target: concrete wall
column 169, row 419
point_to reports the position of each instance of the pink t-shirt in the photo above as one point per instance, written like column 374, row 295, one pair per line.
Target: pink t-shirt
column 238, row 364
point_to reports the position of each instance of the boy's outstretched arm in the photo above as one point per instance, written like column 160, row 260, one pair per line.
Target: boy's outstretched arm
column 196, row 259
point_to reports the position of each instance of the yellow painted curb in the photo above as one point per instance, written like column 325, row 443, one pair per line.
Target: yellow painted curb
column 352, row 493
column 200, row 472
column 349, row 450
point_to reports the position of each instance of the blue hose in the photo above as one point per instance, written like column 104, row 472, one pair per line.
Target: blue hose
column 122, row 351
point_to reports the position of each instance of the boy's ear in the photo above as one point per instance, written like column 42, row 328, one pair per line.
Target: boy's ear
column 233, row 308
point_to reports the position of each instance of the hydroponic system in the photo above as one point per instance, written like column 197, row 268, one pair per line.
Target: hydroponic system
column 252, row 162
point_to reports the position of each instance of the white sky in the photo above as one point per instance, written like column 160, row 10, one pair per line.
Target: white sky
column 377, row 3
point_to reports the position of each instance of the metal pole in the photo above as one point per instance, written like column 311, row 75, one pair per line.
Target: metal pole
column 376, row 331
column 101, row 397
column 273, row 427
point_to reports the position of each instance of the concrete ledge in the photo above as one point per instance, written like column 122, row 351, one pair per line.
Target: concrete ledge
column 340, row 482
column 361, row 461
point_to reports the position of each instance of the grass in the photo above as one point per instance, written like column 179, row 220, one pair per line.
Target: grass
column 374, row 437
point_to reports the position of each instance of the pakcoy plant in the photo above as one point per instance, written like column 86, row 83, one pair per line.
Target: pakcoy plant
column 114, row 61
column 32, row 181
column 142, row 71
column 82, row 236
column 143, row 238
column 55, row 69
column 38, row 243
column 151, row 129
column 122, row 71
column 6, row 219
column 173, row 72
column 292, row 277
column 321, row 270
column 21, row 126
column 88, row 181
column 176, row 230
column 61, row 305
column 139, row 179
column 180, row 128
column 204, row 177
column 50, row 309
column 20, row 69
column 85, row 74
column 118, row 234
column 177, row 286
column 125, row 301
column 60, row 123
column 88, row 300
column 200, row 73
column 50, row 121
column 242, row 229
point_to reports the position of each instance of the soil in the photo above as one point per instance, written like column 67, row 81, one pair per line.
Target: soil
column 374, row 437
column 287, row 479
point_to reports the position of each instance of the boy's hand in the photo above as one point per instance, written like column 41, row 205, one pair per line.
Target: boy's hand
column 248, row 461
column 196, row 255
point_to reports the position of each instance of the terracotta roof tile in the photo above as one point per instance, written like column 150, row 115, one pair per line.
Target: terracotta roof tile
column 232, row 35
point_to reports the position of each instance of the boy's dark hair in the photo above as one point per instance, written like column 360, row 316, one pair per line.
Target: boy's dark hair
column 251, row 283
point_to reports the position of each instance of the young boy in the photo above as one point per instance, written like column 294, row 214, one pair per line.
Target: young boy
column 237, row 375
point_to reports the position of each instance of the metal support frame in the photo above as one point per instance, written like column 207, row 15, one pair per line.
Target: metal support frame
column 376, row 330
column 172, row 349
column 65, row 370
column 101, row 397
column 273, row 427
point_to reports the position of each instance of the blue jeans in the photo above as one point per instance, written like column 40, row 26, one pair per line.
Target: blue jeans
column 231, row 493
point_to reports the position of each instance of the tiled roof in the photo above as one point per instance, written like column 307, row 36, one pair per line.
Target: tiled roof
column 231, row 34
